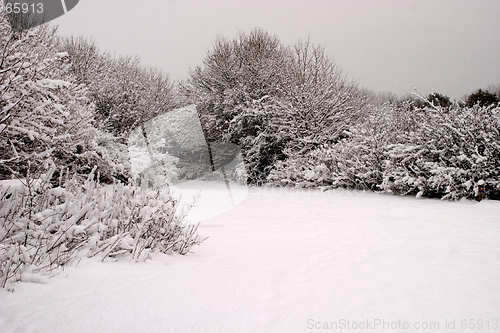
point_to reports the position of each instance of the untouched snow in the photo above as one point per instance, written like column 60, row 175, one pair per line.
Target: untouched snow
column 286, row 260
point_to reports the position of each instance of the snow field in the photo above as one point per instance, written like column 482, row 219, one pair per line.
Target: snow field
column 283, row 260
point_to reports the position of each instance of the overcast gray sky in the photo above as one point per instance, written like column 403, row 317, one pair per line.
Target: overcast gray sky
column 447, row 46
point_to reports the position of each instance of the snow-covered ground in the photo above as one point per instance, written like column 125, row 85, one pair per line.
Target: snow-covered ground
column 286, row 260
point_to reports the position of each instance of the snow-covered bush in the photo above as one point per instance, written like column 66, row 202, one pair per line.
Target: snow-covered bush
column 260, row 129
column 355, row 160
column 346, row 165
column 43, row 228
column 447, row 154
column 434, row 151
column 151, row 165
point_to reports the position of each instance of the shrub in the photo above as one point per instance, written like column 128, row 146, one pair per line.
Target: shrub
column 447, row 154
column 356, row 160
column 425, row 152
column 43, row 228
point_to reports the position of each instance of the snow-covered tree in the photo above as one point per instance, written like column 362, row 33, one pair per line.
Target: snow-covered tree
column 125, row 94
column 237, row 77
column 235, row 72
column 42, row 111
column 46, row 117
column 321, row 106
column 256, row 92
column 323, row 103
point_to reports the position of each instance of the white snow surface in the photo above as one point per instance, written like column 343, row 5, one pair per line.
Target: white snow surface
column 288, row 260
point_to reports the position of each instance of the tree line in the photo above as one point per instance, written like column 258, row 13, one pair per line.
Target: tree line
column 300, row 122
column 297, row 118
